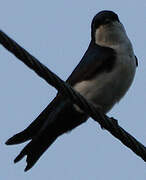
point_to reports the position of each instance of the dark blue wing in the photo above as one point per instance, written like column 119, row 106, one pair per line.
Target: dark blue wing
column 95, row 60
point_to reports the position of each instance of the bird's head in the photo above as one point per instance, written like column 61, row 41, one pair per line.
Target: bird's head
column 106, row 28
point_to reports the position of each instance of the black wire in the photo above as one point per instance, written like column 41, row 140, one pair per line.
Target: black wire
column 107, row 123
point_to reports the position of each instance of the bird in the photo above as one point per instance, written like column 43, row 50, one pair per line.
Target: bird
column 102, row 77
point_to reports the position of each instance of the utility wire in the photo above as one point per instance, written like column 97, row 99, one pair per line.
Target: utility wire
column 107, row 123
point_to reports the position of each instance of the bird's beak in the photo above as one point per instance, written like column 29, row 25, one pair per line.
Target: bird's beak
column 107, row 21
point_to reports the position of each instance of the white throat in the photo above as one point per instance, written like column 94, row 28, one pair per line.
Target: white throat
column 111, row 35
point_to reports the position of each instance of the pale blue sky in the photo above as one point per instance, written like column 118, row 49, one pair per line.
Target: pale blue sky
column 58, row 33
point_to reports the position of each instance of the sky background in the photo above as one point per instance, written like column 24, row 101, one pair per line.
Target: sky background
column 58, row 33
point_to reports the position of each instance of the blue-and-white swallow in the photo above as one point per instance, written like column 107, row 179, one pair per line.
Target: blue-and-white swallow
column 102, row 77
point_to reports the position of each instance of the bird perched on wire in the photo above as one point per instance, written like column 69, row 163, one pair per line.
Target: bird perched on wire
column 103, row 76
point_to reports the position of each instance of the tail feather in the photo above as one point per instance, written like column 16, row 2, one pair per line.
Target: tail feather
column 19, row 138
column 35, row 126
column 27, row 133
column 35, row 149
column 60, row 118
